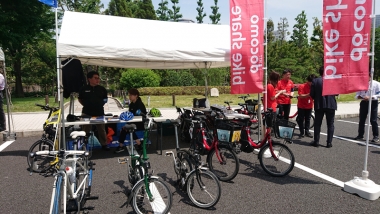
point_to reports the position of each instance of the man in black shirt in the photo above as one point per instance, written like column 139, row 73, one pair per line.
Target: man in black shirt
column 135, row 105
column 93, row 97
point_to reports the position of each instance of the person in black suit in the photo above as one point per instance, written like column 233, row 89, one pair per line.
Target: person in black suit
column 323, row 105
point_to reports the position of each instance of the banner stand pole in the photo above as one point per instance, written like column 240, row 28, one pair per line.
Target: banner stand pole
column 363, row 186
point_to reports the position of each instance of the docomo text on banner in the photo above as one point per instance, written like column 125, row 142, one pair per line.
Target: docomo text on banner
column 333, row 52
column 253, row 56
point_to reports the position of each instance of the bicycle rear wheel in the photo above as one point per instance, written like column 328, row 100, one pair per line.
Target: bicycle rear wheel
column 41, row 163
column 277, row 168
column 227, row 167
column 203, row 188
column 161, row 201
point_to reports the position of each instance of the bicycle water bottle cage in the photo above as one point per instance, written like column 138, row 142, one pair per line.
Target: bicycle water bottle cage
column 129, row 127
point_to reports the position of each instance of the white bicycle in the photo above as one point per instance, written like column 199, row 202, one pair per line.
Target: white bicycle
column 72, row 173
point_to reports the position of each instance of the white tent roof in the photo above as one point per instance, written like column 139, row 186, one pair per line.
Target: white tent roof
column 137, row 43
column 1, row 55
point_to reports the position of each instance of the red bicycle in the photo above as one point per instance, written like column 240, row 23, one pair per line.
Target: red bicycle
column 221, row 158
column 275, row 158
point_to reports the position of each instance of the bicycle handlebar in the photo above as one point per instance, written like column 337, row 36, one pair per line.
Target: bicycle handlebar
column 47, row 107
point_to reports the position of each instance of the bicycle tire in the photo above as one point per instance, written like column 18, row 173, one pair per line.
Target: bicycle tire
column 162, row 197
column 277, row 168
column 312, row 118
column 41, row 162
column 228, row 168
column 183, row 163
column 206, row 192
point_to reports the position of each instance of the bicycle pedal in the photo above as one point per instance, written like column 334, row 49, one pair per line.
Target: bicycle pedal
column 92, row 198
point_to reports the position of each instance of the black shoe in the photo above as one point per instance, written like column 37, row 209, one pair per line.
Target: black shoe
column 375, row 140
column 329, row 145
column 315, row 144
column 105, row 148
column 119, row 149
column 309, row 135
column 359, row 138
column 301, row 136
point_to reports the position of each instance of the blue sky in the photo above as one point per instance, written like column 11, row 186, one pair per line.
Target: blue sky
column 275, row 9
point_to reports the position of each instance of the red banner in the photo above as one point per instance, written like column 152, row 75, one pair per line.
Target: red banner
column 346, row 30
column 247, row 36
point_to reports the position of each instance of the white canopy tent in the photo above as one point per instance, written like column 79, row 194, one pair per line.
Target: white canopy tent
column 137, row 43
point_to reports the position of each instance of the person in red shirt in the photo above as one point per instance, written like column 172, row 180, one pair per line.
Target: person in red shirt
column 305, row 106
column 284, row 99
column 272, row 94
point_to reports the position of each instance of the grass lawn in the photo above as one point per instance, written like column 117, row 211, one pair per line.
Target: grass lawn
column 28, row 104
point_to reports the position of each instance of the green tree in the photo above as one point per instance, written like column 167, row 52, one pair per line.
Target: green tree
column 174, row 14
column 172, row 78
column 119, row 8
column 270, row 31
column 215, row 15
column 22, row 22
column 138, row 78
column 283, row 29
column 316, row 44
column 40, row 61
column 200, row 10
column 86, row 6
column 299, row 36
column 162, row 11
column 145, row 10
column 187, row 79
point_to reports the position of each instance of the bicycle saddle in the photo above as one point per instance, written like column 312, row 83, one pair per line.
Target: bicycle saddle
column 76, row 134
column 129, row 126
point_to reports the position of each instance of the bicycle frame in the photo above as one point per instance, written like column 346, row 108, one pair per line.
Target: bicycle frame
column 61, row 174
column 267, row 138
column 143, row 161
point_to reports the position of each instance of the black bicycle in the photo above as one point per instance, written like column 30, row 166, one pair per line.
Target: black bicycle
column 200, row 184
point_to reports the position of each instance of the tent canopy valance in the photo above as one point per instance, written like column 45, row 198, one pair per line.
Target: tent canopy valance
column 137, row 43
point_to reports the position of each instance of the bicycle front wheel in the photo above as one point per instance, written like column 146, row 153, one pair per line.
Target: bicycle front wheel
column 41, row 163
column 312, row 121
column 160, row 202
column 203, row 188
column 226, row 166
column 280, row 167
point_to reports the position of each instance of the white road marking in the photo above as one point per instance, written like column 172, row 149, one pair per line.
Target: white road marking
column 318, row 174
column 6, row 144
column 321, row 175
column 350, row 140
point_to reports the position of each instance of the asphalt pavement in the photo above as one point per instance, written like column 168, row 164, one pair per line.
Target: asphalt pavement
column 314, row 185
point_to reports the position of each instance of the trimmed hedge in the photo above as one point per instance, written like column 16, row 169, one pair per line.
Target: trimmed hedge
column 183, row 90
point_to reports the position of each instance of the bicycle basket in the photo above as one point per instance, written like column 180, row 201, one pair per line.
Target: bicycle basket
column 252, row 102
column 228, row 131
column 284, row 129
